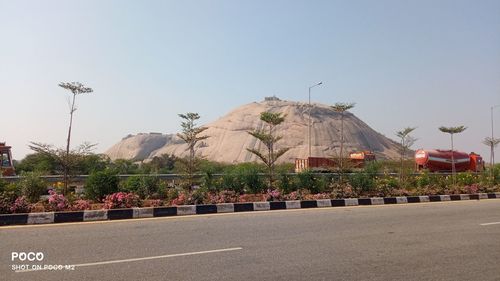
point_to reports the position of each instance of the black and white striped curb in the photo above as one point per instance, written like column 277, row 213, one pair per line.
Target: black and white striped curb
column 117, row 214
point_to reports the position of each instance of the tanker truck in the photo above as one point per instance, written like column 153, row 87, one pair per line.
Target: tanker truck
column 437, row 160
column 6, row 166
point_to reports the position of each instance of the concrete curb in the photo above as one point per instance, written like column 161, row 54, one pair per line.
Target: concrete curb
column 117, row 214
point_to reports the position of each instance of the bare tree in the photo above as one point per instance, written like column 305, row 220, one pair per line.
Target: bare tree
column 492, row 143
column 269, row 139
column 191, row 135
column 452, row 131
column 67, row 160
column 341, row 107
column 406, row 142
column 76, row 88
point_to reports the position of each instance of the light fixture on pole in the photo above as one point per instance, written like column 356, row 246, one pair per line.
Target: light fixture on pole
column 310, row 120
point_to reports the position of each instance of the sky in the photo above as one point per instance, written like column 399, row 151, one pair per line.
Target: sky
column 415, row 63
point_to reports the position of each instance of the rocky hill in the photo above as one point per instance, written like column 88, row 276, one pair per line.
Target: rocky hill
column 229, row 138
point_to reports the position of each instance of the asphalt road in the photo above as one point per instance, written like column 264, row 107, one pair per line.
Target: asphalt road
column 431, row 241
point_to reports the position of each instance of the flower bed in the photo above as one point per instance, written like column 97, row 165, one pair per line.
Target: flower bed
column 178, row 197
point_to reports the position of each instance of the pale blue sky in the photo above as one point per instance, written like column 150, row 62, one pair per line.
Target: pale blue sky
column 418, row 63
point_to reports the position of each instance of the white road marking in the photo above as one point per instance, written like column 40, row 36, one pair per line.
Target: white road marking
column 490, row 223
column 145, row 258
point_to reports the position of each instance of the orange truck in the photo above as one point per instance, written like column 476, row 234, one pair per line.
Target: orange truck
column 6, row 166
column 322, row 164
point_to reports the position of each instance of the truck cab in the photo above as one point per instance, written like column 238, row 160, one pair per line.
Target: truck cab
column 6, row 165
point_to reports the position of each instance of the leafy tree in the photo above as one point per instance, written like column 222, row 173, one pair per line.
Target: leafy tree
column 191, row 135
column 492, row 143
column 93, row 163
column 452, row 131
column 124, row 166
column 162, row 163
column 406, row 142
column 39, row 162
column 76, row 88
column 269, row 139
column 67, row 162
column 341, row 108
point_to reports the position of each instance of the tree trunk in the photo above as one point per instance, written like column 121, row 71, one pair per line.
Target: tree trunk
column 66, row 163
column 452, row 161
column 402, row 160
column 492, row 161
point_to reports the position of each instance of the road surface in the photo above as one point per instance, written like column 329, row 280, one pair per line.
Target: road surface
column 429, row 241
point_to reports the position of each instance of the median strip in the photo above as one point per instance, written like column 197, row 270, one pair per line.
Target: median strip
column 138, row 213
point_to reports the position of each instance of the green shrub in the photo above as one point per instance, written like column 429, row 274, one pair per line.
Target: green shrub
column 423, row 180
column 466, row 178
column 144, row 186
column 6, row 201
column 286, row 182
column 243, row 178
column 209, row 182
column 199, row 195
column 249, row 176
column 231, row 181
column 101, row 183
column 3, row 184
column 373, row 168
column 32, row 186
column 305, row 180
column 314, row 184
column 362, row 182
column 385, row 185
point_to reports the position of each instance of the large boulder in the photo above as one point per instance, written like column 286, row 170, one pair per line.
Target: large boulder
column 229, row 138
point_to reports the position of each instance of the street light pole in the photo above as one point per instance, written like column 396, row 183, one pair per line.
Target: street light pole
column 492, row 137
column 310, row 119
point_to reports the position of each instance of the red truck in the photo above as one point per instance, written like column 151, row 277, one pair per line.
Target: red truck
column 437, row 160
column 6, row 166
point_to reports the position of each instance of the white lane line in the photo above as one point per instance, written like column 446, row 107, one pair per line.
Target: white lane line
column 490, row 223
column 146, row 258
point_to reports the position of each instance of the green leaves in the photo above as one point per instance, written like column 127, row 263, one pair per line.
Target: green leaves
column 452, row 130
column 267, row 137
column 189, row 130
column 405, row 132
column 191, row 135
column 342, row 106
column 271, row 118
column 76, row 87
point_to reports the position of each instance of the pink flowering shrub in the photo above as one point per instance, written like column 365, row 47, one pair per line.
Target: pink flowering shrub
column 154, row 203
column 182, row 199
column 294, row 195
column 121, row 200
column 273, row 195
column 56, row 202
column 471, row 189
column 21, row 205
column 252, row 197
column 80, row 205
column 297, row 195
column 224, row 196
column 320, row 196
